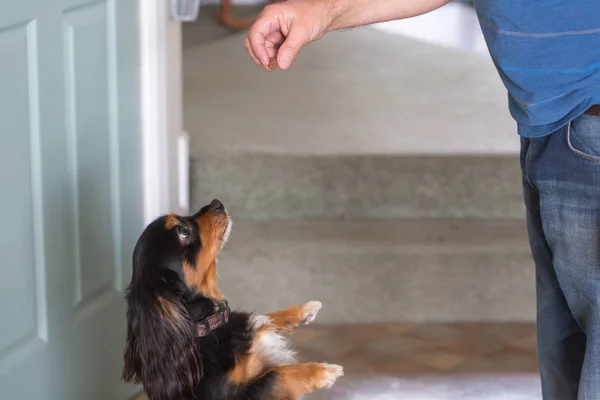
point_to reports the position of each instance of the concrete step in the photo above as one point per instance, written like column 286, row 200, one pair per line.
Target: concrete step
column 285, row 186
column 383, row 271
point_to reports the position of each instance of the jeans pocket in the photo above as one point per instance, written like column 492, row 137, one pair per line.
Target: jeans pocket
column 583, row 137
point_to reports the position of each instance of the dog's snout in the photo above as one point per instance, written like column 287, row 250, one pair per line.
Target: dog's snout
column 216, row 205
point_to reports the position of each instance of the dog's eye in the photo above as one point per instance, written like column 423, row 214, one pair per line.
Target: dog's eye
column 183, row 232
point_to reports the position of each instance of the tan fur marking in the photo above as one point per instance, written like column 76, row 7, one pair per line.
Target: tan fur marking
column 170, row 313
column 288, row 319
column 252, row 365
column 171, row 222
column 203, row 277
column 246, row 369
column 297, row 380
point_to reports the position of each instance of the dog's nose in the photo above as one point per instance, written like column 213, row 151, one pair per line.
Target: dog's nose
column 216, row 205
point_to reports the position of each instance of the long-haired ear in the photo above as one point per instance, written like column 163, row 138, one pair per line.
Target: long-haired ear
column 161, row 352
column 132, row 367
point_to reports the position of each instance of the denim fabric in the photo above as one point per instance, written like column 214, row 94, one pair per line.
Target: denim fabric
column 561, row 181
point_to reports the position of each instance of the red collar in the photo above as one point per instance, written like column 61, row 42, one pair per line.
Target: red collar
column 214, row 321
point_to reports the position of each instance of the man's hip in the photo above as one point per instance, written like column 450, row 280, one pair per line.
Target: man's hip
column 561, row 174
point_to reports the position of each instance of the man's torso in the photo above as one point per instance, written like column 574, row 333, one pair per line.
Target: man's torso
column 548, row 56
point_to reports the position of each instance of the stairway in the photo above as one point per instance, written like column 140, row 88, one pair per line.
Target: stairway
column 378, row 175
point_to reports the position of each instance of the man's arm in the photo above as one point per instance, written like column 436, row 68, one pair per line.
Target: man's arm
column 283, row 28
column 353, row 13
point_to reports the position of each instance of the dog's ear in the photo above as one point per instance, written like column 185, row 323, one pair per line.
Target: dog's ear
column 132, row 367
column 161, row 352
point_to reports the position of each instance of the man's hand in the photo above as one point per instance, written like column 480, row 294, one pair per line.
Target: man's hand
column 283, row 28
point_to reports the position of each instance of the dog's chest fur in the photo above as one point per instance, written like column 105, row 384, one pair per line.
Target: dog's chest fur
column 273, row 348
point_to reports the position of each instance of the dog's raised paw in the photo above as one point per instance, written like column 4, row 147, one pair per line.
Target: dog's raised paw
column 311, row 309
column 332, row 373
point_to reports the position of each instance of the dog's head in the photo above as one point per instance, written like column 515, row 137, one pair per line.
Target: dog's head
column 174, row 265
column 178, row 254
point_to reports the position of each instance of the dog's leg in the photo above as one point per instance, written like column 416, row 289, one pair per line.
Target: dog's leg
column 294, row 381
column 289, row 318
column 291, row 382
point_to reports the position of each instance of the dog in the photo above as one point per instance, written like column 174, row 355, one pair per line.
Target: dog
column 183, row 341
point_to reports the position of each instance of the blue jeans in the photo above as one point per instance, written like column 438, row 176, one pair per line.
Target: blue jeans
column 561, row 182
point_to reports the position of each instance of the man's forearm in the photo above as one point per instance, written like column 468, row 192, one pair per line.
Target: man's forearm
column 352, row 13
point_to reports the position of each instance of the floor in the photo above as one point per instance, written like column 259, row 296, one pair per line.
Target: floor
column 433, row 361
column 468, row 361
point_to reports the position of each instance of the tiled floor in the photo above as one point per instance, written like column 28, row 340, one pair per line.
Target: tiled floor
column 408, row 349
column 426, row 361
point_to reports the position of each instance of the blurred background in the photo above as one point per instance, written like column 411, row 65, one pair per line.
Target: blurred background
column 379, row 175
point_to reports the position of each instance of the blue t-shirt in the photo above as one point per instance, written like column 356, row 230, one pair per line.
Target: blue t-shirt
column 548, row 55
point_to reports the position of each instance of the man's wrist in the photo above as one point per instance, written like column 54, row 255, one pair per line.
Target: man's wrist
column 336, row 10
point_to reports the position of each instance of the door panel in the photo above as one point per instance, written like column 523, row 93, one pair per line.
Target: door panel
column 71, row 203
column 23, row 332
column 91, row 156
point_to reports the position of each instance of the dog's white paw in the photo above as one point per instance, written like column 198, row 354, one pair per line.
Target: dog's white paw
column 311, row 309
column 332, row 373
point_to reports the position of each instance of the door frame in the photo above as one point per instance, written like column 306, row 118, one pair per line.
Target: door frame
column 165, row 144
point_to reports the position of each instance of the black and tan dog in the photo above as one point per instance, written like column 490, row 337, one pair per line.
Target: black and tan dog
column 184, row 343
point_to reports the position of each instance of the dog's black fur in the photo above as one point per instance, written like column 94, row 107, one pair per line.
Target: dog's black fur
column 165, row 356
